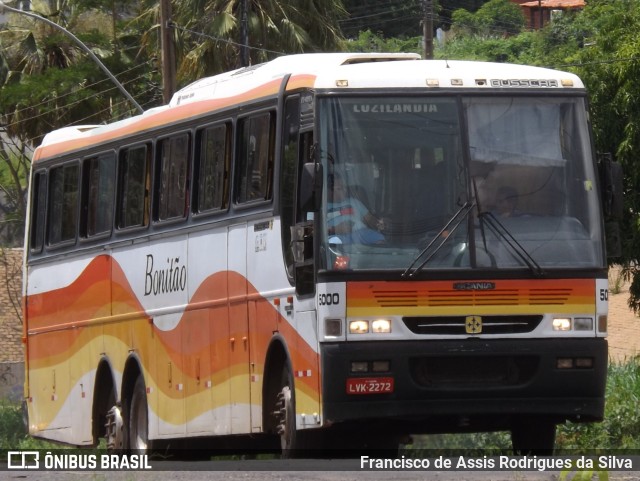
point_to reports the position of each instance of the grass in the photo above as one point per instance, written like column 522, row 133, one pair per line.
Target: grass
column 13, row 432
column 620, row 429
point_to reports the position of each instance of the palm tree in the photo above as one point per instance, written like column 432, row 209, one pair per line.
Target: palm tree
column 207, row 32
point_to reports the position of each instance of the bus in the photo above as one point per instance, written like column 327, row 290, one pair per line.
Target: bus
column 193, row 273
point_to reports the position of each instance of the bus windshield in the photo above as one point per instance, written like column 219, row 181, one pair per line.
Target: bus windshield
column 418, row 183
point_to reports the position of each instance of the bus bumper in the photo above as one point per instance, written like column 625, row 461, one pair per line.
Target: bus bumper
column 446, row 386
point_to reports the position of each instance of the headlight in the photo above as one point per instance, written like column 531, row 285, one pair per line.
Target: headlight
column 562, row 324
column 381, row 325
column 358, row 327
column 364, row 326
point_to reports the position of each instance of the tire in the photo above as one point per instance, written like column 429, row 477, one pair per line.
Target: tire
column 138, row 420
column 533, row 436
column 285, row 413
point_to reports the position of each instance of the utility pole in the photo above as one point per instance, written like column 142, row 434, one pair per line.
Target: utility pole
column 244, row 34
column 540, row 13
column 168, row 52
column 427, row 29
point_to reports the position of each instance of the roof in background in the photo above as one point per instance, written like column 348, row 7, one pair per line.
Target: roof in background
column 555, row 4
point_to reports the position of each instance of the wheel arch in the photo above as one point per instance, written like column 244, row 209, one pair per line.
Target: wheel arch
column 277, row 358
column 105, row 396
column 132, row 369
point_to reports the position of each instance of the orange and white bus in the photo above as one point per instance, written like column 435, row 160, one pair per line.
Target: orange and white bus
column 316, row 250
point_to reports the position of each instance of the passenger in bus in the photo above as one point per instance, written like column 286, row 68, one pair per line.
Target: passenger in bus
column 348, row 218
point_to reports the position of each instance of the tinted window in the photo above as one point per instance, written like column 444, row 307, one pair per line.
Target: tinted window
column 173, row 168
column 38, row 211
column 133, row 180
column 63, row 203
column 214, row 150
column 98, row 194
column 255, row 159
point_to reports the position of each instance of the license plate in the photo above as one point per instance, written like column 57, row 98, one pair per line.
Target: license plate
column 369, row 385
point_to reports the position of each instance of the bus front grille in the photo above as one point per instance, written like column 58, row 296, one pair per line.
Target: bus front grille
column 472, row 372
column 459, row 325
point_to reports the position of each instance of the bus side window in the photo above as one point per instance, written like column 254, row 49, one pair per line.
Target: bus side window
column 133, row 187
column 63, row 203
column 213, row 158
column 255, row 158
column 98, row 189
column 172, row 177
column 38, row 211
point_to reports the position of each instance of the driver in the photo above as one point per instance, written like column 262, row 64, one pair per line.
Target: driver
column 348, row 218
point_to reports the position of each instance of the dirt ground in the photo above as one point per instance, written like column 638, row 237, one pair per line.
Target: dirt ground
column 624, row 325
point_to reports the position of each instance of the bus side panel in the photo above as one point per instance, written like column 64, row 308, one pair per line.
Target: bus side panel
column 65, row 308
column 207, row 336
column 238, row 343
column 151, row 301
column 295, row 321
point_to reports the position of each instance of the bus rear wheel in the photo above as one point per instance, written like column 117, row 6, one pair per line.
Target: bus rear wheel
column 138, row 419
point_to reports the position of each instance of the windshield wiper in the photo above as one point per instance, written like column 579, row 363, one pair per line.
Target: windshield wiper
column 459, row 216
column 503, row 233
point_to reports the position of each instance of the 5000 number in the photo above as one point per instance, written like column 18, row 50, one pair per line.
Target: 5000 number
column 328, row 299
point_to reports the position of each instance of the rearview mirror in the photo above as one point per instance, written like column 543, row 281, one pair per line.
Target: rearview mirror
column 311, row 187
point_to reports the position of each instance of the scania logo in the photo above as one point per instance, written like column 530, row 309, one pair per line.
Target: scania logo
column 473, row 324
column 474, row 286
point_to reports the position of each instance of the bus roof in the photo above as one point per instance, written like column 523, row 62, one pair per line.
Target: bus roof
column 324, row 71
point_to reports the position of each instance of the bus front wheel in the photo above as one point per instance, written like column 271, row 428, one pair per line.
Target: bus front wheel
column 285, row 414
column 533, row 436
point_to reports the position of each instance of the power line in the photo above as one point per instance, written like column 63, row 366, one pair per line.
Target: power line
column 223, row 40
column 68, row 105
column 86, row 87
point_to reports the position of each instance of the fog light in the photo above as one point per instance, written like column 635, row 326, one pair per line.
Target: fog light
column 359, row 366
column 380, row 366
column 584, row 362
column 583, row 324
column 333, row 327
column 358, row 327
column 564, row 363
column 562, row 324
column 381, row 325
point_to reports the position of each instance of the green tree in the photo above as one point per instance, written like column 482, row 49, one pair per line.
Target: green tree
column 609, row 63
column 370, row 42
column 496, row 18
column 47, row 82
column 399, row 20
column 207, row 32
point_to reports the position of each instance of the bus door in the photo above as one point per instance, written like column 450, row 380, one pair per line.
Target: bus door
column 238, row 330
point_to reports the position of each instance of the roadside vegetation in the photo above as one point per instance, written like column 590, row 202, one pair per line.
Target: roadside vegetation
column 619, row 431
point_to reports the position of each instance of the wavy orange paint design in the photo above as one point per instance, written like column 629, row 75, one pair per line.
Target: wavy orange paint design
column 100, row 302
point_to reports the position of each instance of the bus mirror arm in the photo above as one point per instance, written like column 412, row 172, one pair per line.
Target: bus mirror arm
column 311, row 187
column 611, row 182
